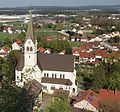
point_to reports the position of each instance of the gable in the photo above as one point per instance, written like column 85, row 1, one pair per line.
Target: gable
column 29, row 42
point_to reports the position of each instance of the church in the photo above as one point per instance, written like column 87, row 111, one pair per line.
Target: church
column 53, row 71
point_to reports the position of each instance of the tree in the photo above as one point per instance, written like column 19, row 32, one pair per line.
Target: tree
column 58, row 46
column 21, row 36
column 114, row 81
column 110, row 106
column 12, row 60
column 98, row 77
column 59, row 104
column 14, row 99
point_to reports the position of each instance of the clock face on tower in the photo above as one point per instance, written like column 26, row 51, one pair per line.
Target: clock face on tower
column 29, row 42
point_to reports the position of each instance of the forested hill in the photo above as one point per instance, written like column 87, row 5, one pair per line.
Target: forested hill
column 90, row 7
column 109, row 8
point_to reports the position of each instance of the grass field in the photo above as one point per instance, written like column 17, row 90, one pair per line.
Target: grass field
column 52, row 33
column 75, row 44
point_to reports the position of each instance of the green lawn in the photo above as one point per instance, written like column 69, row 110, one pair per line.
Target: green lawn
column 52, row 33
column 75, row 44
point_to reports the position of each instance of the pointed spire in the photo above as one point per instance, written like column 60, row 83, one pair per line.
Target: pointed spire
column 30, row 29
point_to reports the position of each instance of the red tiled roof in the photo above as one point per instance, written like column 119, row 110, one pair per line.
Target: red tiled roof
column 90, row 96
column 114, row 55
column 6, row 49
column 19, row 42
column 86, row 55
column 76, row 50
column 101, row 53
column 105, row 94
column 85, row 48
column 2, row 53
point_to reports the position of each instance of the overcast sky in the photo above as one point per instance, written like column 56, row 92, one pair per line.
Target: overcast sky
column 15, row 3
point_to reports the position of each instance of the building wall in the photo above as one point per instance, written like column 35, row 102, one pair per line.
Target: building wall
column 47, row 87
column 85, row 105
column 21, row 76
column 67, row 75
column 30, row 56
column 15, row 46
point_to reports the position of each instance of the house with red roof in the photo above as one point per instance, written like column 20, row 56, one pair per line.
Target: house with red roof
column 17, row 45
column 62, row 52
column 4, row 51
column 109, row 95
column 87, row 100
column 90, row 100
column 100, row 54
column 86, row 57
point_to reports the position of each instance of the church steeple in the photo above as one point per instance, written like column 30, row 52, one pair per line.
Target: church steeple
column 30, row 29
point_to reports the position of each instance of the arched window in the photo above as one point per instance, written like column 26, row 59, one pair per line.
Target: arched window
column 61, row 76
column 52, row 87
column 31, row 49
column 55, row 75
column 27, row 48
column 52, row 75
column 61, row 87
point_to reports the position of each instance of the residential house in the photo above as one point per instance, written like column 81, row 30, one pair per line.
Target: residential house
column 87, row 100
column 17, row 45
column 4, row 51
column 109, row 95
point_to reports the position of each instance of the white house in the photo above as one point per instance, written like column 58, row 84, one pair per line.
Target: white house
column 88, row 100
column 54, row 71
column 17, row 45
column 4, row 51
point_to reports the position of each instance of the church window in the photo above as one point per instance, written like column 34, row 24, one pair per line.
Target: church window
column 55, row 75
column 47, row 75
column 24, row 83
column 61, row 87
column 52, row 87
column 73, row 90
column 27, row 48
column 52, row 75
column 44, row 74
column 44, row 87
column 31, row 49
column 61, row 76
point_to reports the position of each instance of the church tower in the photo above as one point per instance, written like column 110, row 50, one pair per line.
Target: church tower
column 30, row 46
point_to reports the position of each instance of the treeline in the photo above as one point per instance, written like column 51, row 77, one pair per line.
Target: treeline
column 105, row 75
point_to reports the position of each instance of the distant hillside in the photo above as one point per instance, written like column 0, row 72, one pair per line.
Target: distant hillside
column 103, row 7
column 110, row 8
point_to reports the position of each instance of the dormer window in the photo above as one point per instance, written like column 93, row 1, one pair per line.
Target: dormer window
column 31, row 49
column 27, row 48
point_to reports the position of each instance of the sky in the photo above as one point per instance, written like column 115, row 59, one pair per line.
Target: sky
column 17, row 3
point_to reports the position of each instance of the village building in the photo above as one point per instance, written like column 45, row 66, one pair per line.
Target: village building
column 17, row 45
column 87, row 100
column 53, row 71
column 4, row 51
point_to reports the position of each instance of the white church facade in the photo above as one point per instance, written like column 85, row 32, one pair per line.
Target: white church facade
column 53, row 71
